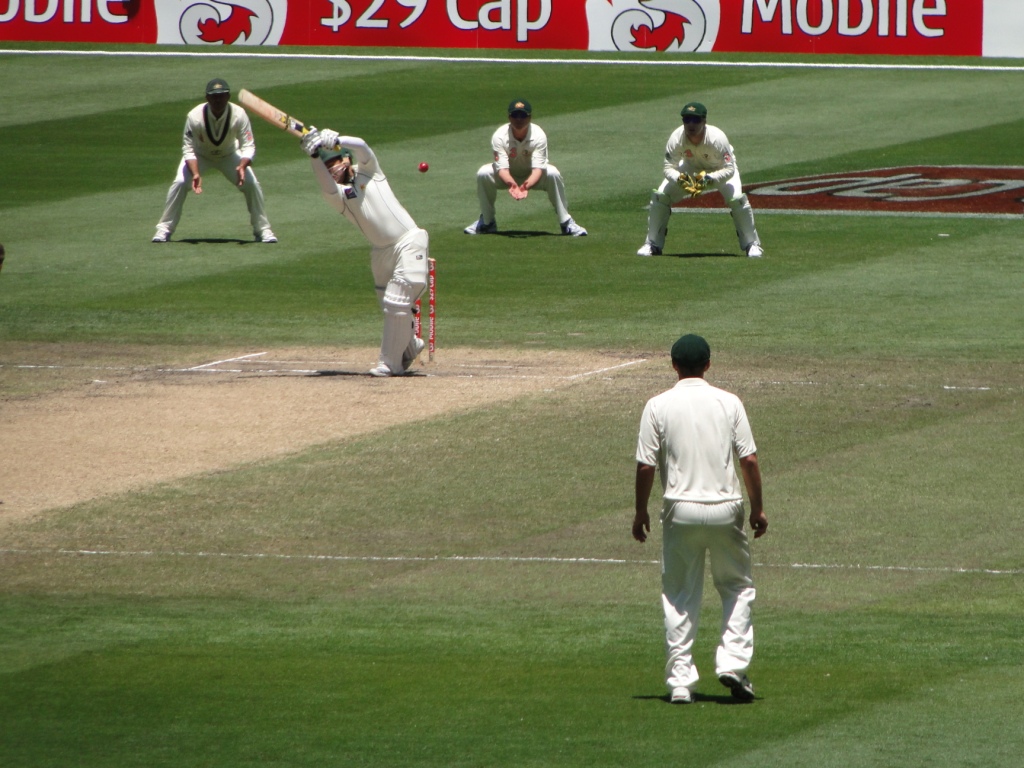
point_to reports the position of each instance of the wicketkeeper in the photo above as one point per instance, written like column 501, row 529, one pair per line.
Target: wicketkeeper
column 699, row 157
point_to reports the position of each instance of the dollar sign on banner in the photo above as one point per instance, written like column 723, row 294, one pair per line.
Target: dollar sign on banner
column 342, row 13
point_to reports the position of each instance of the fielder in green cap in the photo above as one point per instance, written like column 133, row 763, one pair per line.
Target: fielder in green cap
column 695, row 435
column 698, row 159
column 520, row 152
column 218, row 136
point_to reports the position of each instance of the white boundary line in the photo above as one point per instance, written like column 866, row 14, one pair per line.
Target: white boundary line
column 521, row 61
column 493, row 559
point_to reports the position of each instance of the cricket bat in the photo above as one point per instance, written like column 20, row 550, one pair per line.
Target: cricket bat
column 271, row 114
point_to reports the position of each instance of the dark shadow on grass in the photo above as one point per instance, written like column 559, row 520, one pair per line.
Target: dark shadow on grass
column 524, row 233
column 698, row 698
column 212, row 240
column 706, row 255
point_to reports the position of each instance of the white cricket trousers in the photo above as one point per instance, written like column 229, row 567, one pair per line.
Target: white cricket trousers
column 488, row 183
column 670, row 193
column 690, row 530
column 400, row 274
column 182, row 184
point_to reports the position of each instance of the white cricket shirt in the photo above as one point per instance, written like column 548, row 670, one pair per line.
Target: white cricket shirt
column 692, row 433
column 213, row 138
column 714, row 155
column 368, row 201
column 520, row 157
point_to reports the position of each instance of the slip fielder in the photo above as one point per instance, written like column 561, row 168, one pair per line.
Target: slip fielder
column 217, row 135
column 520, row 150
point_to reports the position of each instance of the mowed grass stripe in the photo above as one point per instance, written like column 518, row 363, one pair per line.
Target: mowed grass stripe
column 140, row 661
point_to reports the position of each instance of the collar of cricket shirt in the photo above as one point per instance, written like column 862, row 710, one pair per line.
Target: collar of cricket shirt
column 216, row 127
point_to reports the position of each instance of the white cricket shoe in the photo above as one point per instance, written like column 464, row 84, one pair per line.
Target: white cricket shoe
column 649, row 249
column 479, row 228
column 570, row 227
column 755, row 251
column 381, row 371
column 266, row 236
column 161, row 236
column 412, row 352
column 740, row 685
column 682, row 696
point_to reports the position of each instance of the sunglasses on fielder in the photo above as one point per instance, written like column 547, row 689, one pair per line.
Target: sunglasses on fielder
column 693, row 119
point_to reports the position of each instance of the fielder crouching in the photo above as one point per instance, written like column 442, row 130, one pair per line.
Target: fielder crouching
column 352, row 181
column 699, row 157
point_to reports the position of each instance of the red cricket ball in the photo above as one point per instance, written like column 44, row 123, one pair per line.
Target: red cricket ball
column 424, row 167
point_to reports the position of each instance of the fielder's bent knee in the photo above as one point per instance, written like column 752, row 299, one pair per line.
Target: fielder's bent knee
column 660, row 198
column 738, row 203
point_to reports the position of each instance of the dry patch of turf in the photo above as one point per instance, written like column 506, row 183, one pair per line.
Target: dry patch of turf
column 81, row 423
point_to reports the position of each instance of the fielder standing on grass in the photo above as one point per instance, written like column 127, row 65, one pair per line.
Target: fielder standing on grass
column 352, row 181
column 699, row 157
column 692, row 435
column 217, row 135
column 520, row 164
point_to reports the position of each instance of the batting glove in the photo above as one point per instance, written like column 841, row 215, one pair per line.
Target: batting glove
column 311, row 141
column 329, row 138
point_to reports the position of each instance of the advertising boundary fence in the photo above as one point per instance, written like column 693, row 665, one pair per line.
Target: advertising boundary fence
column 970, row 28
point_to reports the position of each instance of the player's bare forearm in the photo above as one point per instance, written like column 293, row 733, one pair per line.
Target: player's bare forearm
column 240, row 170
column 641, row 518
column 532, row 180
column 752, row 480
column 197, row 180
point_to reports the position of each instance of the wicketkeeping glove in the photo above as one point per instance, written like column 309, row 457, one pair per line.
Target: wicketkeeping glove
column 693, row 185
column 311, row 141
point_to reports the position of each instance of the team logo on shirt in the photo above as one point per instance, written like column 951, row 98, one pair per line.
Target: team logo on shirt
column 220, row 22
column 653, row 25
column 920, row 190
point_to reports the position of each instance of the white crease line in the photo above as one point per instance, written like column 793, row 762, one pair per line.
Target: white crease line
column 902, row 568
column 496, row 559
column 229, row 360
column 206, row 368
column 605, row 370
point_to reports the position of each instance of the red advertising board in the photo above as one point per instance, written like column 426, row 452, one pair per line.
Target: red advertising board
column 896, row 27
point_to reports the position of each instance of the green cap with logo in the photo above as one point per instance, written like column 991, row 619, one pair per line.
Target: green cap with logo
column 520, row 105
column 327, row 154
column 691, row 351
column 694, row 109
column 217, row 85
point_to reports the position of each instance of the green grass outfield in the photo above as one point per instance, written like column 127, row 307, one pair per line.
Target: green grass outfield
column 463, row 591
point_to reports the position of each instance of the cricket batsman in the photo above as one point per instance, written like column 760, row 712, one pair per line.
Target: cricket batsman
column 352, row 182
